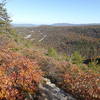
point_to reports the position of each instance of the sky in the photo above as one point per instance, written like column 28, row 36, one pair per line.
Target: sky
column 54, row 11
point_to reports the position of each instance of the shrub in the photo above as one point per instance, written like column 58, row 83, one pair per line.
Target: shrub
column 19, row 76
column 85, row 86
column 76, row 58
column 14, row 49
column 92, row 64
column 52, row 52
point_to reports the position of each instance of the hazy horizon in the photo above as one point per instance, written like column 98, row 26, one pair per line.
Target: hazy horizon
column 56, row 23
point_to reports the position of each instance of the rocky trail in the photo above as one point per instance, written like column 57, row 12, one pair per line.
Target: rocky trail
column 50, row 91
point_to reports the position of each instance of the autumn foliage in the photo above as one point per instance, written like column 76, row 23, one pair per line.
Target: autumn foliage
column 77, row 79
column 19, row 76
column 83, row 85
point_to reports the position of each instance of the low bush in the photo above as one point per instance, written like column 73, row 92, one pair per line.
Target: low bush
column 52, row 52
column 93, row 65
column 83, row 85
column 76, row 58
column 19, row 76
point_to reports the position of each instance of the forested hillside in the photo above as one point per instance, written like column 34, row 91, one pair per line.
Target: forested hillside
column 66, row 39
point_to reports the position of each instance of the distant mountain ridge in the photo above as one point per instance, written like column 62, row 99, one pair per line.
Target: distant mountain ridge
column 23, row 25
column 55, row 24
column 69, row 24
column 63, row 24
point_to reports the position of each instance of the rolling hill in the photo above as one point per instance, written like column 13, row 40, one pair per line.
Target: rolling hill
column 66, row 39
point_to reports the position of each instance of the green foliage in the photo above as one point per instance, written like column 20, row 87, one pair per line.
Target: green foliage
column 14, row 49
column 4, row 18
column 65, row 57
column 20, row 40
column 92, row 64
column 76, row 58
column 52, row 52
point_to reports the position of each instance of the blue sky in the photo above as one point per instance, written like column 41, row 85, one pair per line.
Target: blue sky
column 54, row 11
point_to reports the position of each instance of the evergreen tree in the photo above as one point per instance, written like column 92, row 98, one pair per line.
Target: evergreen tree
column 77, row 58
column 4, row 18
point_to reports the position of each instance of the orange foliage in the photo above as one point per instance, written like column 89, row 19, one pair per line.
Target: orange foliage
column 19, row 76
column 85, row 85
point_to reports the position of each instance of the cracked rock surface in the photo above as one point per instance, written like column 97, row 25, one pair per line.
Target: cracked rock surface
column 50, row 91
